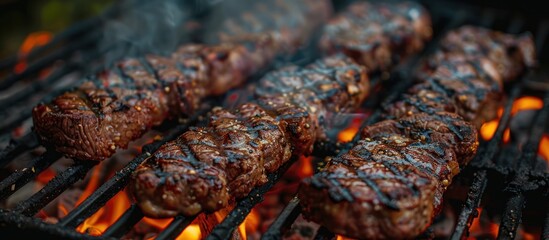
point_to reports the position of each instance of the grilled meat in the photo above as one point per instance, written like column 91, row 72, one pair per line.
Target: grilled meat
column 120, row 104
column 378, row 35
column 508, row 54
column 269, row 18
column 392, row 181
column 235, row 151
column 468, row 88
column 207, row 166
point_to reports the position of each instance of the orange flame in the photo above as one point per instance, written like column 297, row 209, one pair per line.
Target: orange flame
column 347, row 134
column 251, row 222
column 488, row 129
column 32, row 41
column 481, row 227
column 544, row 147
column 114, row 208
column 45, row 176
column 305, row 166
column 192, row 232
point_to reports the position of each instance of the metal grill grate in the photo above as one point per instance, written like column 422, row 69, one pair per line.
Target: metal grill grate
column 524, row 179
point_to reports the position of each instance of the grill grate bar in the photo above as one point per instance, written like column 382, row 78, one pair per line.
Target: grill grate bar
column 396, row 91
column 244, row 206
column 15, row 224
column 54, row 188
column 40, row 85
column 175, row 227
column 284, row 220
column 49, row 60
column 76, row 30
column 17, row 147
column 545, row 229
column 18, row 179
column 485, row 156
column 116, row 183
column 125, row 223
column 512, row 215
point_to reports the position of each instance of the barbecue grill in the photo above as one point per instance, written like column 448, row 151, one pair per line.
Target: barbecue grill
column 515, row 179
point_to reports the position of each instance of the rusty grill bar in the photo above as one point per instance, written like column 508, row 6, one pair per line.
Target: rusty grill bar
column 485, row 165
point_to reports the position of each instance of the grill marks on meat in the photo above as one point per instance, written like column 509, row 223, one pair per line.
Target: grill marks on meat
column 463, row 87
column 508, row 54
column 378, row 35
column 238, row 148
column 120, row 104
column 207, row 166
column 392, row 181
column 282, row 21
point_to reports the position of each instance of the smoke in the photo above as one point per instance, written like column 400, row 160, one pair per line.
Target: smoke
column 144, row 27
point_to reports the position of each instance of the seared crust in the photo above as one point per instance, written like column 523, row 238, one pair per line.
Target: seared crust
column 508, row 53
column 292, row 104
column 378, row 35
column 390, row 184
column 245, row 144
column 119, row 105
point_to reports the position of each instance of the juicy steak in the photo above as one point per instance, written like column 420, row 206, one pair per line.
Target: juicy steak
column 370, row 32
column 390, row 184
column 120, row 104
column 206, row 167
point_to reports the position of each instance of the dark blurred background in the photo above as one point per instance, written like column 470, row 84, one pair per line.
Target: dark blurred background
column 19, row 18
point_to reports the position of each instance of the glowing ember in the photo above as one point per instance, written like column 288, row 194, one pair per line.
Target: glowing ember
column 157, row 223
column 114, row 208
column 488, row 129
column 544, row 147
column 305, row 166
column 192, row 232
column 45, row 176
column 32, row 41
column 251, row 222
column 480, row 227
column 347, row 134
column 106, row 215
column 527, row 103
column 527, row 236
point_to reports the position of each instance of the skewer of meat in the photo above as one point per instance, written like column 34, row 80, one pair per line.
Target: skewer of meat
column 122, row 103
column 390, row 184
column 404, row 26
column 207, row 166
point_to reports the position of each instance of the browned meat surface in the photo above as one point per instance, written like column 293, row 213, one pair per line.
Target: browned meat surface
column 207, row 166
column 508, row 54
column 268, row 18
column 390, row 184
column 378, row 35
column 239, row 147
column 120, row 104
column 467, row 88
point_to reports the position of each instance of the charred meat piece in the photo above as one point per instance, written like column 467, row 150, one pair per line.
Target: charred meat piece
column 120, row 104
column 289, row 113
column 392, row 181
column 467, row 88
column 207, row 166
column 378, row 35
column 270, row 19
column 509, row 54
